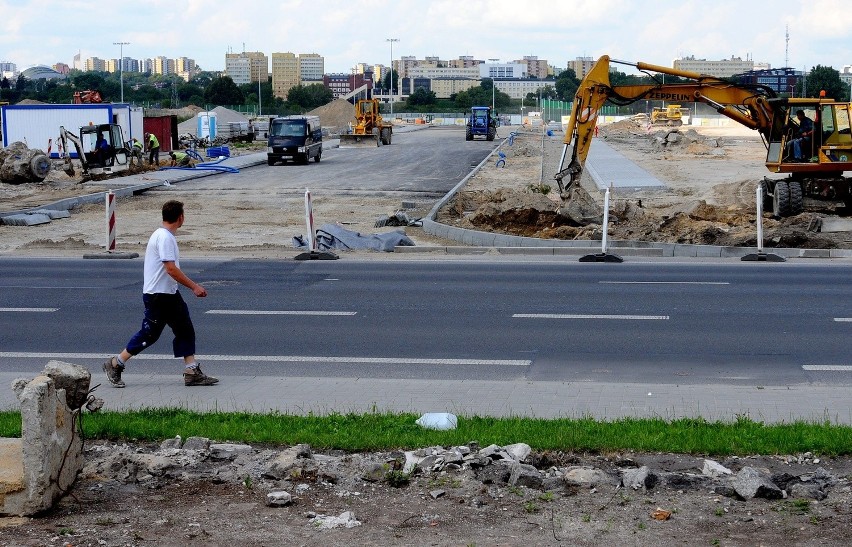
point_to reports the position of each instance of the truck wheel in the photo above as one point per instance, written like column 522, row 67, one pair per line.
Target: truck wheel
column 270, row 161
column 468, row 136
column 781, row 199
column 491, row 134
column 797, row 204
column 317, row 157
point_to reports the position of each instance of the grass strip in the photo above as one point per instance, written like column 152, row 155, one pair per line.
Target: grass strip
column 385, row 431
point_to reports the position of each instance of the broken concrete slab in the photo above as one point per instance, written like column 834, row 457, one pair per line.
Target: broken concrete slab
column 836, row 225
column 25, row 219
column 43, row 464
column 52, row 213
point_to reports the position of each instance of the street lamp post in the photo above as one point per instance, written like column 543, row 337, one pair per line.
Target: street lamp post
column 493, row 85
column 390, row 74
column 121, row 65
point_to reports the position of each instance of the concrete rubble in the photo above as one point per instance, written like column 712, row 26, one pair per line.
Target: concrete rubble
column 40, row 467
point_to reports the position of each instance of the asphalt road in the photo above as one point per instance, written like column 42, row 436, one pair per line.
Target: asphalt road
column 428, row 163
column 664, row 323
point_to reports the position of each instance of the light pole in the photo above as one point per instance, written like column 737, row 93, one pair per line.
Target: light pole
column 121, row 65
column 390, row 74
column 493, row 85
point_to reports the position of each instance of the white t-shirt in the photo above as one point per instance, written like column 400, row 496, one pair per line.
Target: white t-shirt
column 162, row 247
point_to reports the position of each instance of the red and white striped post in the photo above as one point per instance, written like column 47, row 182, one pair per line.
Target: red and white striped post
column 309, row 220
column 110, row 218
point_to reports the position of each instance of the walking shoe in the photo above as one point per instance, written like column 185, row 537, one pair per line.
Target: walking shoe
column 113, row 371
column 198, row 378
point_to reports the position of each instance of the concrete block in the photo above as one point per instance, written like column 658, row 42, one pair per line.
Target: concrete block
column 43, row 464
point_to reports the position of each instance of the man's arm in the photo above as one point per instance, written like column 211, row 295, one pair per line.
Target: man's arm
column 178, row 275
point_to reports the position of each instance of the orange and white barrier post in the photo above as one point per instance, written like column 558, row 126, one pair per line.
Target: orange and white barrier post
column 110, row 218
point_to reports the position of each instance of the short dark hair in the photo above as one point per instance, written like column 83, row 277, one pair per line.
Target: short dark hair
column 172, row 210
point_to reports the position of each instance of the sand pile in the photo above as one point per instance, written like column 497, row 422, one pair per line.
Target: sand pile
column 335, row 115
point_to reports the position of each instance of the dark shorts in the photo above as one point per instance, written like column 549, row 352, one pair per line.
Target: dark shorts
column 162, row 310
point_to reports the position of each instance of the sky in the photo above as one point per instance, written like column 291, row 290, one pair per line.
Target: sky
column 40, row 32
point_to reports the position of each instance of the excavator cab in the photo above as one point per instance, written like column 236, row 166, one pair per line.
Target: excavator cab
column 103, row 146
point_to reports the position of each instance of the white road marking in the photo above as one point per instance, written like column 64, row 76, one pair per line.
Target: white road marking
column 279, row 312
column 665, row 282
column 828, row 368
column 281, row 359
column 843, row 319
column 577, row 316
column 36, row 310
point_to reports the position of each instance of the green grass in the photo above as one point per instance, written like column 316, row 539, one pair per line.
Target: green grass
column 378, row 431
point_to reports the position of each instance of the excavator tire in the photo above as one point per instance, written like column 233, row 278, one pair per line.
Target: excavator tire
column 468, row 135
column 796, row 202
column 781, row 199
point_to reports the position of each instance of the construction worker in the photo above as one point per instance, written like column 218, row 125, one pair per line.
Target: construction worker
column 136, row 151
column 153, row 148
column 180, row 159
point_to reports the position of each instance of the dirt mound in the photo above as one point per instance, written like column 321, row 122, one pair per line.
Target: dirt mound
column 336, row 114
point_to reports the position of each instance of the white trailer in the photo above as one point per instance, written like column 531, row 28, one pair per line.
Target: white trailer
column 37, row 125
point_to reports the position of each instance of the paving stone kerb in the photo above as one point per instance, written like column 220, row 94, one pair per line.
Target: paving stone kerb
column 136, row 184
column 503, row 242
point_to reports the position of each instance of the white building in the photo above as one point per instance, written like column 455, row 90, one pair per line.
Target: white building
column 724, row 68
column 497, row 71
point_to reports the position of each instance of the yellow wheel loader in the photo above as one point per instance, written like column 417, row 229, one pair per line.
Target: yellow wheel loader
column 368, row 128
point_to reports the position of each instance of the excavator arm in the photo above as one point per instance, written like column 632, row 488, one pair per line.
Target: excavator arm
column 753, row 106
column 64, row 138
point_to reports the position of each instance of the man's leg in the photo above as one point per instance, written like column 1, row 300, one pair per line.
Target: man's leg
column 184, row 343
column 152, row 327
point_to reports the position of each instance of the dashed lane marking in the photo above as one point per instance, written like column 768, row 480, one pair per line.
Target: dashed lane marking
column 578, row 316
column 29, row 310
column 280, row 312
column 828, row 368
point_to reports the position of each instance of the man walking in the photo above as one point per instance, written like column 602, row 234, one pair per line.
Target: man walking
column 164, row 304
column 154, row 149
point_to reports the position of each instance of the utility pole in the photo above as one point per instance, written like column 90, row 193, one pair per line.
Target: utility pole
column 493, row 85
column 121, row 65
column 390, row 75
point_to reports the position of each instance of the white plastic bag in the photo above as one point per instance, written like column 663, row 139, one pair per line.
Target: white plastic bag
column 438, row 420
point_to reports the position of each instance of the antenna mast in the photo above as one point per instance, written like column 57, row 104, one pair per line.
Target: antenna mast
column 787, row 46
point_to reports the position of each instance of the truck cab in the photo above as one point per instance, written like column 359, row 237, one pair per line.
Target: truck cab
column 295, row 138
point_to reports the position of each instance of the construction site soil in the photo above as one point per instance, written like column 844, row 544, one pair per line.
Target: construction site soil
column 710, row 176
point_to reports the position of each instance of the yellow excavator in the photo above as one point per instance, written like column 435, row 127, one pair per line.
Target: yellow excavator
column 368, row 129
column 826, row 153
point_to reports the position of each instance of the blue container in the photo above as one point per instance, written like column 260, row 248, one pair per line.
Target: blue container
column 218, row 151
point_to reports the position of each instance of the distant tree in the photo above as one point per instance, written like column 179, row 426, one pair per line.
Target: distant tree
column 88, row 80
column 4, row 83
column 223, row 91
column 391, row 76
column 825, row 78
column 566, row 85
column 309, row 97
column 21, row 82
column 421, row 97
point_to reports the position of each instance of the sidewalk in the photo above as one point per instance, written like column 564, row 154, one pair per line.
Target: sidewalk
column 604, row 401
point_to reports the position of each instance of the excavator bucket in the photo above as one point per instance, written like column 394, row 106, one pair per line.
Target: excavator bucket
column 351, row 140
